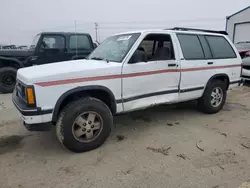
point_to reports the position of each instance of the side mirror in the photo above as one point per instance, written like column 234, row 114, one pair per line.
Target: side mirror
column 138, row 56
column 95, row 45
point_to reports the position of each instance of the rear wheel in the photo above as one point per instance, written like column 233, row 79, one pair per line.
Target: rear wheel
column 84, row 124
column 214, row 97
column 7, row 79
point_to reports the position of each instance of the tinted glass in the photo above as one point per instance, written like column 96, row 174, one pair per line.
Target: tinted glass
column 220, row 47
column 79, row 42
column 206, row 48
column 53, row 42
column 190, row 46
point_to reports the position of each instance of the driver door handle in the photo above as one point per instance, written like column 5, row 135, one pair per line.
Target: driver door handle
column 172, row 65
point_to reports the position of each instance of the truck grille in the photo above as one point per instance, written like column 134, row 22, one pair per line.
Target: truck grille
column 20, row 91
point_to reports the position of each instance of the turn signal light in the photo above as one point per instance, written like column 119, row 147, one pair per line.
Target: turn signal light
column 30, row 96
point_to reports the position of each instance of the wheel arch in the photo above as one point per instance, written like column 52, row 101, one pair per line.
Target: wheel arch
column 14, row 62
column 222, row 76
column 78, row 92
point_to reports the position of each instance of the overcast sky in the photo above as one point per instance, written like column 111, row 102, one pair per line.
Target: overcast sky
column 21, row 19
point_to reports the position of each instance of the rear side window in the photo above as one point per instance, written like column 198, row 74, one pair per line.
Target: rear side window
column 79, row 42
column 191, row 46
column 220, row 47
column 205, row 46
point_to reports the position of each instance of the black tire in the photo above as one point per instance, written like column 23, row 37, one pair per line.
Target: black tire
column 68, row 116
column 204, row 103
column 7, row 79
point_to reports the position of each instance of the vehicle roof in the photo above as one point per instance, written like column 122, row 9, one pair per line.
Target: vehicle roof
column 169, row 31
column 64, row 33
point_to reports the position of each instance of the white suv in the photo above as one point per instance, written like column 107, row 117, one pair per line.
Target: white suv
column 127, row 72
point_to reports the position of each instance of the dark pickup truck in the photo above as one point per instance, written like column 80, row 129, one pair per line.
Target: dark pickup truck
column 47, row 47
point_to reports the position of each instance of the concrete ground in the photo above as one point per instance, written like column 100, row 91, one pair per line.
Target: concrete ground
column 166, row 146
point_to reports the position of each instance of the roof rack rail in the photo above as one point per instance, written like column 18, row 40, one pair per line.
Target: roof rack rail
column 193, row 29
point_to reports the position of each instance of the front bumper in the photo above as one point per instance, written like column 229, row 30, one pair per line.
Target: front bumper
column 246, row 74
column 31, row 115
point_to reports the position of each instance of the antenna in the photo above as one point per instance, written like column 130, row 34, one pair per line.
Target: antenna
column 76, row 41
column 96, row 35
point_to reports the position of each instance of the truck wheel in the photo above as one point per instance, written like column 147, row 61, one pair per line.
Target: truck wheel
column 84, row 124
column 7, row 79
column 214, row 97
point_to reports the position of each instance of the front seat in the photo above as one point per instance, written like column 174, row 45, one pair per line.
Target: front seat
column 162, row 53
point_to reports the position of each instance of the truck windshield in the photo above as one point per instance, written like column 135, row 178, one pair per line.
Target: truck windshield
column 35, row 41
column 114, row 48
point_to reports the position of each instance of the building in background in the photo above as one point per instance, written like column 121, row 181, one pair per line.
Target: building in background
column 238, row 25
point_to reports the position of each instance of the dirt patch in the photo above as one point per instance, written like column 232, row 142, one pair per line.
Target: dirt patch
column 10, row 143
column 120, row 138
column 67, row 170
column 164, row 151
column 245, row 142
column 235, row 106
column 183, row 156
column 2, row 106
column 217, row 159
column 8, row 122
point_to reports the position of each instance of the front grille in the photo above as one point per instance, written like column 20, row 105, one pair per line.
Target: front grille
column 20, row 91
column 248, row 77
column 246, row 67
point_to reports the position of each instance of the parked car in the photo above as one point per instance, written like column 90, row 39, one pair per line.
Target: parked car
column 127, row 72
column 47, row 47
column 246, row 68
column 243, row 48
column 23, row 47
column 9, row 47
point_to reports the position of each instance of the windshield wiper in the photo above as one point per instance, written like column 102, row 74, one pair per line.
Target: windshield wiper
column 99, row 58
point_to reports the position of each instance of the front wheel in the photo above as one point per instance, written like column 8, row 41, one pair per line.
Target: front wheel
column 214, row 97
column 84, row 124
column 7, row 79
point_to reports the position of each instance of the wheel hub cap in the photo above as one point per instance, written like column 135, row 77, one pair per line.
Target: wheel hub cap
column 87, row 126
column 216, row 97
column 8, row 80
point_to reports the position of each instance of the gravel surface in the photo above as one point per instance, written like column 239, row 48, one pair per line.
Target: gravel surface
column 165, row 146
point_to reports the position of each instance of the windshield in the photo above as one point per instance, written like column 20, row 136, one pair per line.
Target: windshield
column 114, row 48
column 35, row 41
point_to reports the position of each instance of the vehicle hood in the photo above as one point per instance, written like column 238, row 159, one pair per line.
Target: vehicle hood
column 246, row 61
column 67, row 70
column 15, row 53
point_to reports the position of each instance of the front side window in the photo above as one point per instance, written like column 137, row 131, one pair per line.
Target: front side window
column 114, row 48
column 220, row 47
column 53, row 42
column 79, row 42
column 154, row 47
column 191, row 46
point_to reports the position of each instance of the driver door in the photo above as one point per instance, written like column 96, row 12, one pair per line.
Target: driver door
column 153, row 82
column 52, row 48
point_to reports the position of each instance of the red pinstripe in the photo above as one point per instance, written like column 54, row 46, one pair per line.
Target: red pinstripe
column 108, row 77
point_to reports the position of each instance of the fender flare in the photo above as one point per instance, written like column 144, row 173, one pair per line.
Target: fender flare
column 80, row 89
column 13, row 59
column 214, row 77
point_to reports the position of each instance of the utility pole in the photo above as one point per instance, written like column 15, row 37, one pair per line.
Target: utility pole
column 96, row 34
column 76, row 40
